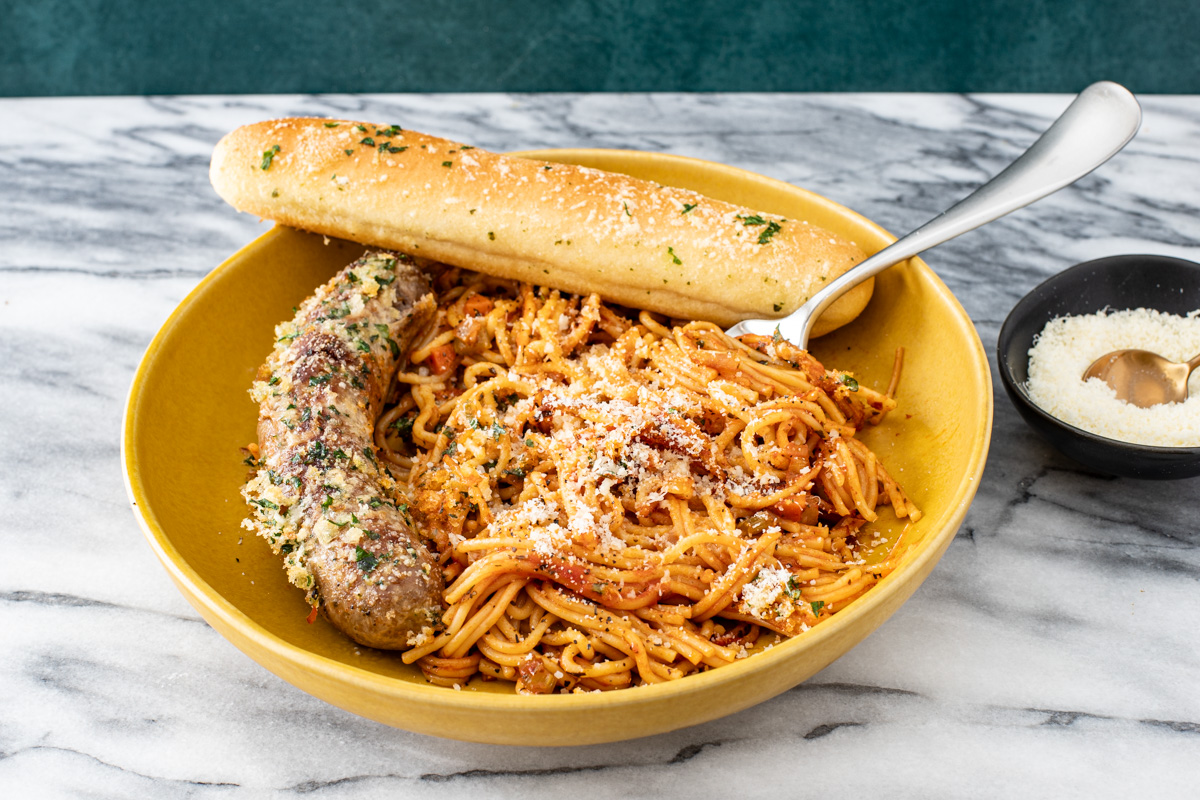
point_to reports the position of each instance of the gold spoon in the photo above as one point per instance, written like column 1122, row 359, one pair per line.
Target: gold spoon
column 1143, row 378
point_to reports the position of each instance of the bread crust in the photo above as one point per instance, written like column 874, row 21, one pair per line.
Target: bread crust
column 575, row 228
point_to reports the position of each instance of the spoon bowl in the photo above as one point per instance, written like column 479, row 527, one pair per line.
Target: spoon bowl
column 1143, row 378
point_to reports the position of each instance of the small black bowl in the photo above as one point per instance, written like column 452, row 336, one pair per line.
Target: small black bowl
column 1162, row 283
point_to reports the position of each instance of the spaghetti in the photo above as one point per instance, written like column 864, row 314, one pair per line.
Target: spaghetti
column 617, row 502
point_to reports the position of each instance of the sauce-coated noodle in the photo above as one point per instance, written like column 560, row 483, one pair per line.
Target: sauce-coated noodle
column 618, row 502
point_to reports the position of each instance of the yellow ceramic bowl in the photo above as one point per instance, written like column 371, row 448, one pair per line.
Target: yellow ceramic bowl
column 189, row 412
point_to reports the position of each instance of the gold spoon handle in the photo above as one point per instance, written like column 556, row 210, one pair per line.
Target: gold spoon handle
column 1193, row 363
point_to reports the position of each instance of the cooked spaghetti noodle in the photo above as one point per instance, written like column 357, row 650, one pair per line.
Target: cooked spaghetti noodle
column 617, row 502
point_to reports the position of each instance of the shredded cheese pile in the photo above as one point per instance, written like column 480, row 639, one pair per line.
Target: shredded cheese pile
column 1068, row 345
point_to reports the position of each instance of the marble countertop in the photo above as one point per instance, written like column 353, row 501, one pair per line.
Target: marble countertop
column 1054, row 651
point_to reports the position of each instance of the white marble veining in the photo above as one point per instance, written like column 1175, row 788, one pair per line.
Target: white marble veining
column 1054, row 651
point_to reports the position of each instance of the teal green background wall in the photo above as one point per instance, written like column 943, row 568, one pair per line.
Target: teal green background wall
column 85, row 47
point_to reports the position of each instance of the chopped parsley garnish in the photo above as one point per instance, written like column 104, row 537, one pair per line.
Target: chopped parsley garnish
column 687, row 207
column 365, row 560
column 447, row 163
column 317, row 380
column 771, row 229
column 368, row 141
column 817, row 605
column 383, row 331
column 389, row 131
column 331, row 124
column 316, row 451
column 269, row 156
column 265, row 504
column 850, row 383
column 675, row 258
column 792, row 589
column 403, row 427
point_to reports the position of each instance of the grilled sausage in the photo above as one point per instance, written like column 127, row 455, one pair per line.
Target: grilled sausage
column 320, row 496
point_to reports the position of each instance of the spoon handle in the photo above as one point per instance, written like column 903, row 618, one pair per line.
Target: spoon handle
column 1193, row 363
column 1094, row 128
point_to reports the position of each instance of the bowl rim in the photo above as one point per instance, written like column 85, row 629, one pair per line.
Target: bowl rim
column 1019, row 389
column 213, row 605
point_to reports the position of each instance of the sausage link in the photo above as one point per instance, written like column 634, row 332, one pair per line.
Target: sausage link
column 320, row 495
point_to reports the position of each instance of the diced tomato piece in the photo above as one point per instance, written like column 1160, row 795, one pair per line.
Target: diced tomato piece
column 477, row 306
column 442, row 359
column 802, row 509
column 534, row 677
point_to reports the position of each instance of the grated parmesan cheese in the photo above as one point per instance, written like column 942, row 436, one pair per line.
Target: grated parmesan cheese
column 766, row 596
column 1068, row 345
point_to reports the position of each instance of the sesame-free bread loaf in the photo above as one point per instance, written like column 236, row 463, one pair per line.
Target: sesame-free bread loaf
column 575, row 228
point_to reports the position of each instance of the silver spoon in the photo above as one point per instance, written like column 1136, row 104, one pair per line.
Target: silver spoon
column 1094, row 128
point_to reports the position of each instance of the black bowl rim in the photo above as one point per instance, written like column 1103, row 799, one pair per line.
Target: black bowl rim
column 1016, row 389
